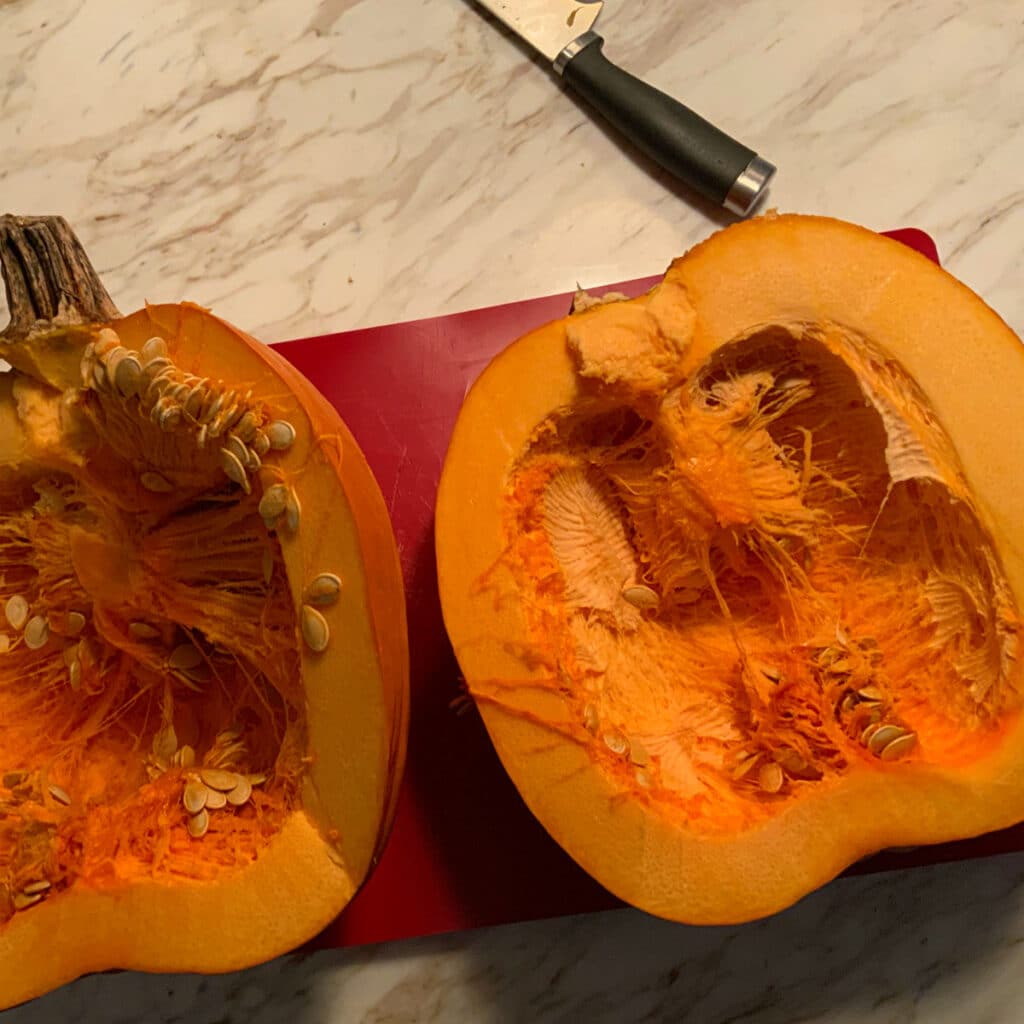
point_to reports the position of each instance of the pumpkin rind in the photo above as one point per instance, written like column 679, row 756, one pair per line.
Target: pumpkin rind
column 784, row 273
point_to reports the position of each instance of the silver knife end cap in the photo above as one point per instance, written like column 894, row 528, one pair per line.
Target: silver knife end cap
column 748, row 188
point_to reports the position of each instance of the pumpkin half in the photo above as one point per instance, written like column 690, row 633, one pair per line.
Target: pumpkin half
column 734, row 569
column 203, row 664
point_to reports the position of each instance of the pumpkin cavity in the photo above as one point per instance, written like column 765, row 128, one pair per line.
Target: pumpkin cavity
column 152, row 719
column 766, row 576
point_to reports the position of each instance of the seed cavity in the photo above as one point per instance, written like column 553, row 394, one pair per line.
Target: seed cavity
column 324, row 589
column 314, row 629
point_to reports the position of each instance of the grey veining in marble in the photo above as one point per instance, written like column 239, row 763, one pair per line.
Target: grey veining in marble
column 307, row 167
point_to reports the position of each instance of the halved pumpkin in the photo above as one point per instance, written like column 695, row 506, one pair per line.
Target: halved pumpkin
column 734, row 570
column 203, row 662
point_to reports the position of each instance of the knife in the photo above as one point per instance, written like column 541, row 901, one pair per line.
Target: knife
column 692, row 149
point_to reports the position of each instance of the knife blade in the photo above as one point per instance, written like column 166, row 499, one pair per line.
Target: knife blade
column 678, row 139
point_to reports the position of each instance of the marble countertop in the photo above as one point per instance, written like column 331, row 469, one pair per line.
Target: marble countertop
column 306, row 167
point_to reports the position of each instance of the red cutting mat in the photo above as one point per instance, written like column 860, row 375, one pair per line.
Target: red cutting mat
column 465, row 852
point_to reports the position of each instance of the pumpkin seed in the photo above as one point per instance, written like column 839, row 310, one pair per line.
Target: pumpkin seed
column 185, row 658
column 165, row 742
column 771, row 673
column 127, row 376
column 591, row 721
column 746, row 765
column 314, row 629
column 16, row 610
column 216, row 800
column 281, row 435
column 187, row 756
column 898, row 747
column 642, row 778
column 253, row 461
column 641, row 597
column 60, row 795
column 34, row 888
column 143, row 631
column 293, row 512
column 324, row 589
column 240, row 452
column 198, row 824
column 219, row 424
column 201, row 437
column 245, row 429
column 770, row 777
column 217, row 778
column 170, row 415
column 273, row 502
column 256, row 780
column 871, row 693
column 37, row 632
column 22, row 901
column 75, row 674
column 241, row 793
column 156, row 483
column 152, row 369
column 75, row 623
column 212, row 406
column 882, row 737
column 99, row 377
column 193, row 401
column 638, row 752
column 234, row 470
column 195, row 796
column 260, row 443
column 158, row 382
column 154, row 348
column 616, row 742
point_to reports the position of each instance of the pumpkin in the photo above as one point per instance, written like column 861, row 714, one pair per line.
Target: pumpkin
column 734, row 570
column 203, row 664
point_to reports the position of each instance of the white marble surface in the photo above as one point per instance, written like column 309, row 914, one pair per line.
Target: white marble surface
column 305, row 167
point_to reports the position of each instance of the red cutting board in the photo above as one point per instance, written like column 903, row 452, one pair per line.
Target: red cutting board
column 465, row 852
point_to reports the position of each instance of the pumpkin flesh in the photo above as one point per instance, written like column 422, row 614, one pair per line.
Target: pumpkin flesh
column 740, row 604
column 182, row 618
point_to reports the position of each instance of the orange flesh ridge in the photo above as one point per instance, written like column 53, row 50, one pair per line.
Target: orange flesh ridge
column 88, row 795
column 819, row 572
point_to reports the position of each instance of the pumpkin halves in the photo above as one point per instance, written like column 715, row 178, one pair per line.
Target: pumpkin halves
column 203, row 660
column 734, row 569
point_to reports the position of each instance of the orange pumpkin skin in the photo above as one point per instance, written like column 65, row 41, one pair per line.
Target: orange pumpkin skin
column 172, row 548
column 733, row 570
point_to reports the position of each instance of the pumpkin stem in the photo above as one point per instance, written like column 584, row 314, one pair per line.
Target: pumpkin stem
column 48, row 277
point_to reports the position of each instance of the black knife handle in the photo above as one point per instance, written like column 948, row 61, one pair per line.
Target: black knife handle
column 681, row 141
